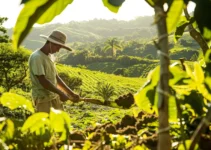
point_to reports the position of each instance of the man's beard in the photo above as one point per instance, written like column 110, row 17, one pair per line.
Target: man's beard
column 52, row 56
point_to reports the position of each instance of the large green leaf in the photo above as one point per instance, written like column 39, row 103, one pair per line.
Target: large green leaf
column 145, row 97
column 189, row 71
column 198, row 73
column 6, row 129
column 113, row 5
column 55, row 9
column 41, row 11
column 60, row 122
column 36, row 122
column 14, row 101
column 174, row 14
column 177, row 75
column 196, row 101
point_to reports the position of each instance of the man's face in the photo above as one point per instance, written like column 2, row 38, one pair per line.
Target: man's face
column 55, row 48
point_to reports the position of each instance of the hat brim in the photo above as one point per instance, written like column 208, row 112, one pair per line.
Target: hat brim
column 53, row 41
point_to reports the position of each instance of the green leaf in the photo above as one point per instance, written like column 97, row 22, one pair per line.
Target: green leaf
column 176, row 75
column 6, row 129
column 150, row 2
column 205, row 88
column 189, row 71
column 113, row 5
column 14, row 101
column 187, row 143
column 141, row 98
column 145, row 97
column 116, row 2
column 203, row 17
column 24, row 1
column 60, row 122
column 206, row 33
column 41, row 11
column 173, row 14
column 208, row 56
column 10, row 128
column 198, row 73
column 183, row 23
column 36, row 122
column 55, row 9
column 196, row 101
column 172, row 109
column 142, row 147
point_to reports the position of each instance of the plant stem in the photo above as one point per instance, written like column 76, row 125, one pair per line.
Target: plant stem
column 164, row 140
column 196, row 35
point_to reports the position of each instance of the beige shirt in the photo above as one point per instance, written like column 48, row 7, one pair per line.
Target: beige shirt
column 41, row 64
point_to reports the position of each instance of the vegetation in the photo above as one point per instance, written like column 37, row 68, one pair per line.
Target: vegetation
column 4, row 38
column 105, row 90
column 13, row 65
column 174, row 101
column 91, row 80
column 72, row 82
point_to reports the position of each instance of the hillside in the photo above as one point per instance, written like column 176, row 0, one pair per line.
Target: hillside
column 122, row 85
column 90, row 39
column 94, row 30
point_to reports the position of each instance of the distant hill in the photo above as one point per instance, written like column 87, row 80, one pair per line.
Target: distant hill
column 136, row 37
column 94, row 30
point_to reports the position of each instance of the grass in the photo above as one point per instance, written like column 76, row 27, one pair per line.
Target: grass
column 85, row 115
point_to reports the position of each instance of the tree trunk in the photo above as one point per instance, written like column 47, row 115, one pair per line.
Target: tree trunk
column 196, row 35
column 164, row 140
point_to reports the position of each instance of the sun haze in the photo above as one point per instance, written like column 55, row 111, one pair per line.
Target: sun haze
column 81, row 10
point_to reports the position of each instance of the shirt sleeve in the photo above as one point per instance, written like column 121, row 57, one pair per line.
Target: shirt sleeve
column 37, row 66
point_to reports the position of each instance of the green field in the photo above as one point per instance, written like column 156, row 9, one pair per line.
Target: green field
column 122, row 85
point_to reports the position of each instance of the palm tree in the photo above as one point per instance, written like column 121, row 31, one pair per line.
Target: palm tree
column 113, row 44
column 105, row 90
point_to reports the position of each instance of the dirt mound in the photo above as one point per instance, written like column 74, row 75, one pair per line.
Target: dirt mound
column 125, row 101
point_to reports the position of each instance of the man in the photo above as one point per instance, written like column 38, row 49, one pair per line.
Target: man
column 48, row 89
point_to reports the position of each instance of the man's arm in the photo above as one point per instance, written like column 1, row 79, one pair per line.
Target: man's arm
column 49, row 86
column 67, row 90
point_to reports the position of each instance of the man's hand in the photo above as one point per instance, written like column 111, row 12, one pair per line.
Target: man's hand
column 74, row 98
column 63, row 97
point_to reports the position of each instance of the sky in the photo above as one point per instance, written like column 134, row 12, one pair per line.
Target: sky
column 81, row 10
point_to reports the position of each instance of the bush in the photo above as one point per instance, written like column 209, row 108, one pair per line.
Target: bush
column 13, row 65
column 105, row 90
column 119, row 71
column 130, row 60
column 72, row 82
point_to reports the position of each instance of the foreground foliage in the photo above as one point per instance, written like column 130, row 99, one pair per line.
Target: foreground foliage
column 135, row 131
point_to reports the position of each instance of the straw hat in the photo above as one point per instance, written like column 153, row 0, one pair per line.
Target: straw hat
column 57, row 37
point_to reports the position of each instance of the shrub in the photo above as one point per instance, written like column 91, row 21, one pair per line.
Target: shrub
column 119, row 71
column 105, row 90
column 72, row 82
column 13, row 65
